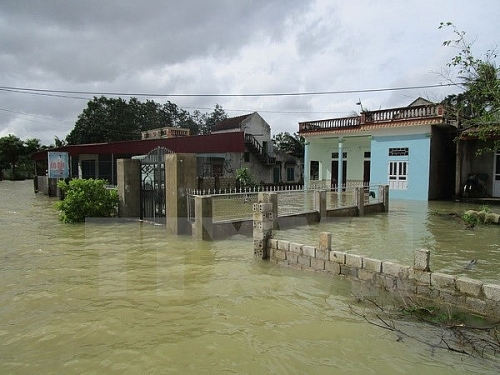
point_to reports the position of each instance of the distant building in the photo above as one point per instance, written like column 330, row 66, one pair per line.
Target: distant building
column 166, row 132
column 243, row 141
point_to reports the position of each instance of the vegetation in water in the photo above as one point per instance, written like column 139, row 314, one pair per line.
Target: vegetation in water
column 470, row 219
column 447, row 328
column 86, row 198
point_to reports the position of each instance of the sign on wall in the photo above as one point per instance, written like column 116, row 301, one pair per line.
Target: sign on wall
column 58, row 165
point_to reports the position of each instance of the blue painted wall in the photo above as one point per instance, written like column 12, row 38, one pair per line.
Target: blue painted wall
column 418, row 166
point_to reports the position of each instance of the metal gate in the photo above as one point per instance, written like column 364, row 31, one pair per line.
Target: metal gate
column 153, row 205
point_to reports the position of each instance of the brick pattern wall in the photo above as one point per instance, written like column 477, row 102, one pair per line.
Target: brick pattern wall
column 417, row 280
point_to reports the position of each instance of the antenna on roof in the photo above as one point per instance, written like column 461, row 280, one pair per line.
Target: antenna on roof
column 361, row 105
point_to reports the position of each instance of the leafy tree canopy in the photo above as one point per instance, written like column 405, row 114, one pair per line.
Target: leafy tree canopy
column 290, row 144
column 111, row 119
column 15, row 153
column 478, row 106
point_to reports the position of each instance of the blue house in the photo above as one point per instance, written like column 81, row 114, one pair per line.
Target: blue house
column 411, row 149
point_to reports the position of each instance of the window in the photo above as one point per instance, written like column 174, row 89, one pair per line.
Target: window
column 401, row 151
column 335, row 155
column 218, row 170
column 314, row 175
column 290, row 174
column 398, row 175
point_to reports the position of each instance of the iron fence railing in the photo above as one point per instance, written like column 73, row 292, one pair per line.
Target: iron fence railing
column 238, row 204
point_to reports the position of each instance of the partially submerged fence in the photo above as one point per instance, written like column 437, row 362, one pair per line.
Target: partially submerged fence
column 223, row 213
column 401, row 281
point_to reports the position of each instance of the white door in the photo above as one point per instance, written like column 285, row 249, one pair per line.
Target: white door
column 496, row 175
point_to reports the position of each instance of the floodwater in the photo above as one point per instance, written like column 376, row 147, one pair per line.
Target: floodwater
column 124, row 297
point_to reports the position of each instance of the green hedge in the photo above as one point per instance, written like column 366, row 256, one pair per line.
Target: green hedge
column 86, row 198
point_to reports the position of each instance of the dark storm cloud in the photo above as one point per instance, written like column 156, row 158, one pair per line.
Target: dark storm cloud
column 84, row 41
column 224, row 47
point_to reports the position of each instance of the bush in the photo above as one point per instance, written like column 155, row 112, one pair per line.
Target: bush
column 86, row 198
column 470, row 218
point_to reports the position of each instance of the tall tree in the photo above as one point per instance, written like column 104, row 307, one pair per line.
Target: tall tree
column 478, row 106
column 11, row 149
column 208, row 121
column 290, row 144
column 109, row 119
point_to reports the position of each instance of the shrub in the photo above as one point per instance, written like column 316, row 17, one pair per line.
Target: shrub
column 470, row 218
column 86, row 198
column 244, row 177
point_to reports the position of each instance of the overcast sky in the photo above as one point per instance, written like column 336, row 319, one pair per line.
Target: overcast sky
column 227, row 47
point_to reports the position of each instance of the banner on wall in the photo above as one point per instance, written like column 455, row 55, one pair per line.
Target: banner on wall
column 58, row 165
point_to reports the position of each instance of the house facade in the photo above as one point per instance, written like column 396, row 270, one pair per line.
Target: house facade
column 238, row 142
column 411, row 149
column 265, row 164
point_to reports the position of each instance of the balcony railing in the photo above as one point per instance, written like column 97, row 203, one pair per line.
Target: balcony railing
column 374, row 117
column 405, row 113
column 335, row 123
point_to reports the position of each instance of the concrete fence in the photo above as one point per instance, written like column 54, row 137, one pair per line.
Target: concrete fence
column 205, row 227
column 416, row 281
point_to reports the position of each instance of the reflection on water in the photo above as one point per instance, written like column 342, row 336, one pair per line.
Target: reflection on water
column 410, row 226
column 123, row 297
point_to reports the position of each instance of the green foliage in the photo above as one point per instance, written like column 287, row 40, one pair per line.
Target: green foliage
column 111, row 119
column 290, row 144
column 86, row 198
column 470, row 218
column 244, row 177
column 486, row 208
column 15, row 155
column 478, row 107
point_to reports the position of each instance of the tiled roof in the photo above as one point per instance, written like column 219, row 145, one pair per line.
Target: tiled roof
column 231, row 123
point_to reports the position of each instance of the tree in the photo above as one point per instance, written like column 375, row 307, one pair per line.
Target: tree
column 208, row 121
column 110, row 119
column 290, row 144
column 11, row 150
column 478, row 107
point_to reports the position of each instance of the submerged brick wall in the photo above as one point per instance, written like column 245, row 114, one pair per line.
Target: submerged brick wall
column 417, row 280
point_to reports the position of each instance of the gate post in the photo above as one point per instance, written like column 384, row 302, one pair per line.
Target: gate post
column 203, row 226
column 180, row 170
column 128, row 173
column 359, row 194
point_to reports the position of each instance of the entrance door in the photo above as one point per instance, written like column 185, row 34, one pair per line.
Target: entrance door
column 496, row 175
column 335, row 172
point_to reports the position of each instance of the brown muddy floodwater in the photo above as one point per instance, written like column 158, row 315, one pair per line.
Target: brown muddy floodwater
column 124, row 297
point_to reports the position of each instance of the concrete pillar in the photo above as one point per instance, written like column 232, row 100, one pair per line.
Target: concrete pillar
column 263, row 218
column 180, row 172
column 307, row 165
column 360, row 200
column 422, row 260
column 325, row 241
column 203, row 225
column 383, row 193
column 340, row 175
column 128, row 176
column 324, row 246
column 273, row 198
column 320, row 202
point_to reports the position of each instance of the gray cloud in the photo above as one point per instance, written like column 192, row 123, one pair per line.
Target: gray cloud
column 223, row 46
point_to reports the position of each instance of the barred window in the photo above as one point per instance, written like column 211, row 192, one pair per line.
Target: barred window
column 399, row 151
